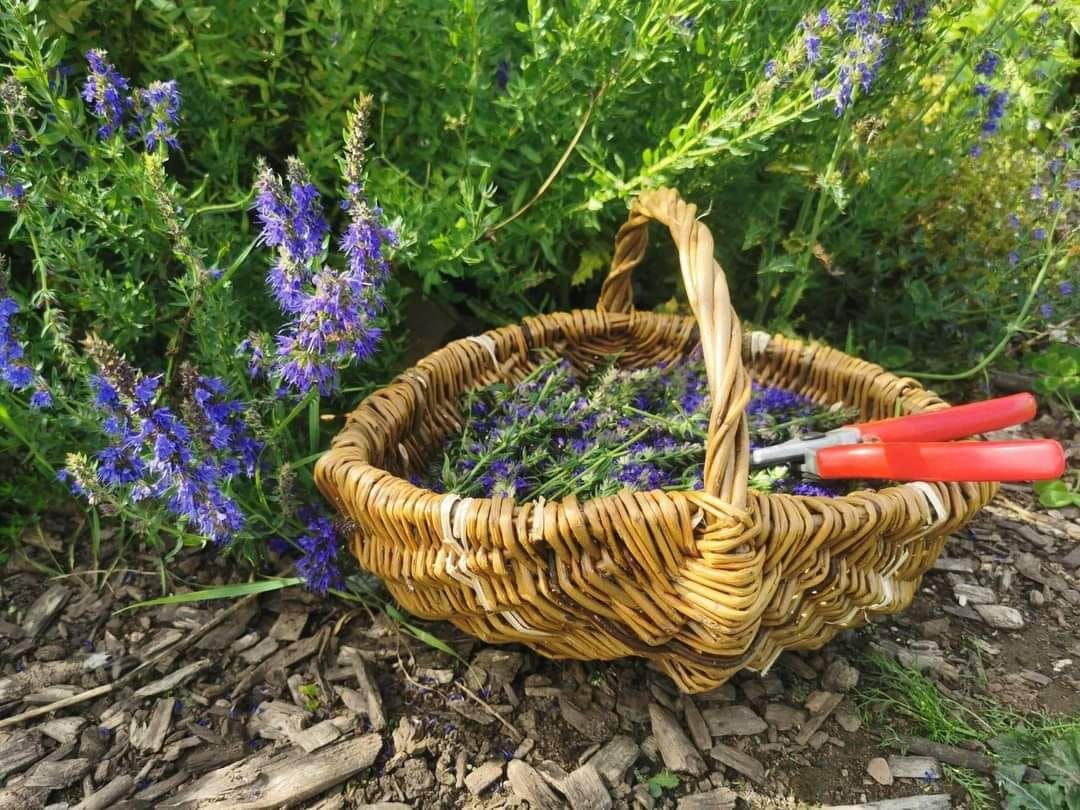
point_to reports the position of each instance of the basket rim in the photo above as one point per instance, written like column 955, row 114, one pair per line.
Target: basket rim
column 759, row 341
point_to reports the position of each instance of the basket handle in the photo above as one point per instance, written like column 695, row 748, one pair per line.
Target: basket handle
column 727, row 451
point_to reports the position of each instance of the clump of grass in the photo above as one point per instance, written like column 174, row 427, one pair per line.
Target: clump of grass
column 898, row 690
column 1016, row 741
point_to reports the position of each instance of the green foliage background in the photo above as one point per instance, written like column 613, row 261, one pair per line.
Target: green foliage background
column 876, row 231
column 454, row 155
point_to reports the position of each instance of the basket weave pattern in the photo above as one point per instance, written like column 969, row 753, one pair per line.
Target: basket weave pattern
column 702, row 583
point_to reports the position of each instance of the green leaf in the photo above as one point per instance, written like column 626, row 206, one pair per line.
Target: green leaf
column 1056, row 494
column 895, row 356
column 220, row 592
column 658, row 783
column 784, row 263
column 419, row 633
column 530, row 154
column 590, row 262
column 1063, row 764
column 64, row 23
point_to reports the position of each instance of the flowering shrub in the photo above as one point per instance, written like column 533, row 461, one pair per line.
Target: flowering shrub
column 194, row 442
column 188, row 313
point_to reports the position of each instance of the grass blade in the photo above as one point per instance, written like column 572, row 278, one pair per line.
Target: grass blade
column 421, row 634
column 221, row 592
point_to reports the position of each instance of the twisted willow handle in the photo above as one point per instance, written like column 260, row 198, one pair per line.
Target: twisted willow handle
column 727, row 450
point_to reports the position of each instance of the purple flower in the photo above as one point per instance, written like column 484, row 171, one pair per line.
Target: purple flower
column 1046, row 310
column 317, row 565
column 17, row 376
column 295, row 225
column 1065, row 288
column 1038, row 234
column 10, row 190
column 844, row 90
column 153, row 452
column 334, row 310
column 14, row 190
column 502, row 74
column 106, row 93
column 118, row 467
column 864, row 39
column 1014, row 258
column 41, row 399
column 810, row 489
column 158, row 114
column 775, row 401
column 770, row 68
column 987, row 64
column 995, row 111
column 13, row 368
column 220, row 422
column 255, row 346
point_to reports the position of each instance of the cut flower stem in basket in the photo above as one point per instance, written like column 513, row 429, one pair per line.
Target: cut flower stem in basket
column 560, row 432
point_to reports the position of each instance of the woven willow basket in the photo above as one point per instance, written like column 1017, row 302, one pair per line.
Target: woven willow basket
column 700, row 583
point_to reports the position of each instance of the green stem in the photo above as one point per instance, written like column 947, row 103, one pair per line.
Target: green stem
column 13, row 428
column 298, row 409
column 313, row 425
column 232, row 268
column 303, row 462
column 802, row 275
column 222, row 207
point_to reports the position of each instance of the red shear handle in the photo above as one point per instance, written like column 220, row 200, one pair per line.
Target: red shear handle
column 1021, row 460
column 952, row 423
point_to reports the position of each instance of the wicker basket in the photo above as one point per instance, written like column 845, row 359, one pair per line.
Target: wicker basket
column 700, row 583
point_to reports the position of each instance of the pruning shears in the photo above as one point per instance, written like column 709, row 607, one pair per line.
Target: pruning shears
column 918, row 447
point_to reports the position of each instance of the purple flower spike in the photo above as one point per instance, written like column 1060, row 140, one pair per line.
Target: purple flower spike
column 815, row 490
column 987, row 64
column 106, row 91
column 158, row 114
column 13, row 368
column 333, row 310
column 318, row 565
column 223, row 428
column 155, row 454
column 41, row 399
column 295, row 225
